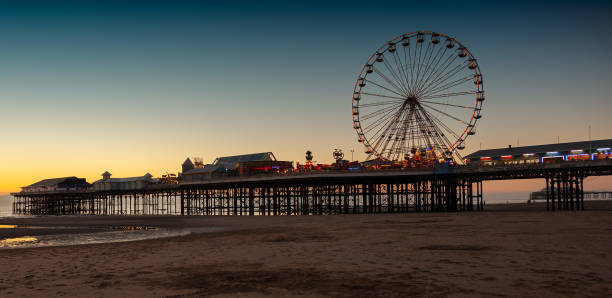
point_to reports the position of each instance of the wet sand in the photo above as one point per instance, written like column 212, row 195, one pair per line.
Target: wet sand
column 506, row 251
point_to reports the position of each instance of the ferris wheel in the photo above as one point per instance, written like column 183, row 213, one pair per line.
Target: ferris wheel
column 419, row 92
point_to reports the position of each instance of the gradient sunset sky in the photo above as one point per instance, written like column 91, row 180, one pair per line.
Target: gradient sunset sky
column 88, row 87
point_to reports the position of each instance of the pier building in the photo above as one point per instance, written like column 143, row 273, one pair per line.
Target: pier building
column 549, row 153
column 57, row 184
column 236, row 165
column 129, row 183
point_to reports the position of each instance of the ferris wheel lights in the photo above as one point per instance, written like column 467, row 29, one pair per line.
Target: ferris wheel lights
column 387, row 114
column 473, row 64
column 461, row 52
column 480, row 97
column 420, row 38
column 435, row 38
column 450, row 44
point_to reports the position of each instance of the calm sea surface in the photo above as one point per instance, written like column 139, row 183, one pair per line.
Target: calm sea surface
column 6, row 205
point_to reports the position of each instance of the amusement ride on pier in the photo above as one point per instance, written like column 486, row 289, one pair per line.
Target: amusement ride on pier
column 415, row 102
column 417, row 99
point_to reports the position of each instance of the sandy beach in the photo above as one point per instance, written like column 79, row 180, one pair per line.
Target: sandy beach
column 503, row 252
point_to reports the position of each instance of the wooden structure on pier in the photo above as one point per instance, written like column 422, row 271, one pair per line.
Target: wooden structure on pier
column 427, row 190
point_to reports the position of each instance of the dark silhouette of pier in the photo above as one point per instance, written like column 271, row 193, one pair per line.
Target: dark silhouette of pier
column 385, row 191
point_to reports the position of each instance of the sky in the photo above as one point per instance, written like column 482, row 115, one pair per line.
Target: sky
column 132, row 87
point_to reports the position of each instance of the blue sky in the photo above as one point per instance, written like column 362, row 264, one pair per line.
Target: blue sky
column 134, row 87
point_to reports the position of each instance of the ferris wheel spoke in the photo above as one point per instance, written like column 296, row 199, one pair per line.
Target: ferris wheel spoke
column 379, row 126
column 385, row 132
column 447, row 95
column 414, row 63
column 420, row 63
column 442, row 69
column 436, row 143
column 376, row 120
column 399, row 65
column 397, row 88
column 395, row 134
column 426, row 127
column 382, row 95
column 375, row 124
column 378, row 112
column 430, row 67
column 442, row 78
column 450, row 85
column 418, row 48
column 444, row 126
column 385, row 128
column 395, row 76
column 433, row 69
column 447, row 104
column 440, row 133
column 447, row 85
column 376, row 84
column 379, row 103
column 408, row 64
column 445, row 114
column 398, row 145
column 443, row 73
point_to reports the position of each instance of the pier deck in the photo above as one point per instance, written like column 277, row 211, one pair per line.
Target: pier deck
column 411, row 190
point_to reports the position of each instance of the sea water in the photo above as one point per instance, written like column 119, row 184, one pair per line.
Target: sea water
column 104, row 235
column 6, row 206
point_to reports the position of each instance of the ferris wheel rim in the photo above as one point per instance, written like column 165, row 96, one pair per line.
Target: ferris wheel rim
column 479, row 91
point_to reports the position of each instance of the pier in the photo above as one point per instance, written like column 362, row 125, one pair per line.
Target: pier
column 342, row 192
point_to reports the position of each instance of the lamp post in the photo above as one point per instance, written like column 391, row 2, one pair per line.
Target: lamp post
column 352, row 159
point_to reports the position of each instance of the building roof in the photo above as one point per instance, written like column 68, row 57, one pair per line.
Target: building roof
column 145, row 177
column 52, row 181
column 206, row 169
column 561, row 147
column 229, row 162
column 188, row 162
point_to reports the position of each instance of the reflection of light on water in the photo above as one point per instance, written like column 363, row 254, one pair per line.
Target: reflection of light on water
column 8, row 226
column 101, row 237
column 11, row 242
column 132, row 228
